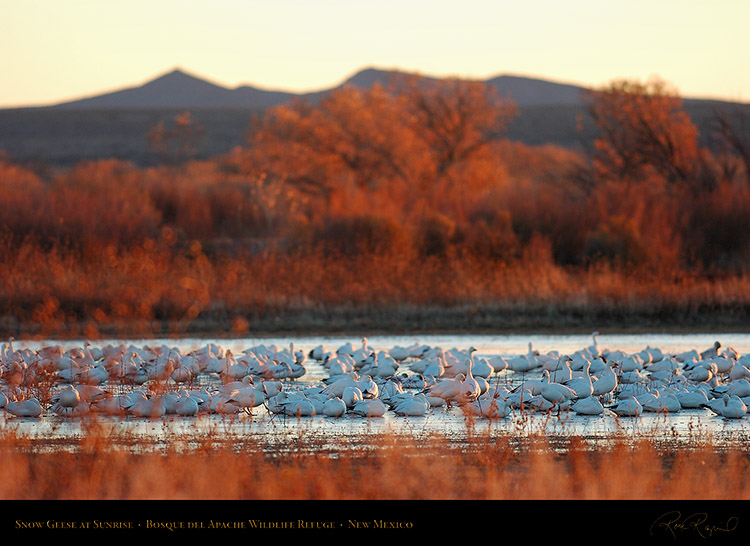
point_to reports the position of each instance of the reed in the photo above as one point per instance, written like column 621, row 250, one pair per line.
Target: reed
column 105, row 466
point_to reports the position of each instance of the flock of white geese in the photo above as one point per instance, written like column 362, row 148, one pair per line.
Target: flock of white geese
column 153, row 381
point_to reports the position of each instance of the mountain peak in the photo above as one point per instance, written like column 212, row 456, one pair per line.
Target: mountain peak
column 180, row 77
column 178, row 88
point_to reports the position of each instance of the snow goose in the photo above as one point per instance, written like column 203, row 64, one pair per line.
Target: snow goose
column 631, row 377
column 561, row 372
column 712, row 352
column 587, row 406
column 540, row 404
column 666, row 402
column 723, row 364
column 605, row 383
column 631, row 363
column 628, row 407
column 482, row 368
column 594, row 349
column 68, row 397
column 469, row 387
column 692, row 398
column 519, row 399
column 740, row 370
column 351, row 396
column 24, row 408
column 187, row 406
column 582, row 386
column 149, row 408
column 364, row 383
column 739, row 387
column 492, row 407
column 702, row 373
column 372, row 407
column 334, row 407
column 363, row 353
column 411, row 405
column 498, row 363
column 248, row 396
column 523, row 363
column 399, row 353
column 79, row 410
column 730, row 407
column 390, row 388
column 556, row 393
column 299, row 408
column 598, row 365
column 447, row 389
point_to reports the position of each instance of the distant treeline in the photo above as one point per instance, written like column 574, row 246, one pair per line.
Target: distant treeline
column 400, row 209
column 62, row 138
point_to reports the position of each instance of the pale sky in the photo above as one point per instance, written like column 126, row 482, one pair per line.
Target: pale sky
column 56, row 50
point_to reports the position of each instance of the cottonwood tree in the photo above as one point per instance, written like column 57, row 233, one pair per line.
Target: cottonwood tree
column 643, row 131
column 414, row 132
column 733, row 132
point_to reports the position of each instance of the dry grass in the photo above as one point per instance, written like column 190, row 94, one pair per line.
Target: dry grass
column 399, row 468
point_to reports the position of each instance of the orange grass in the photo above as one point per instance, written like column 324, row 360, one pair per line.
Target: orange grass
column 108, row 248
column 155, row 289
column 397, row 468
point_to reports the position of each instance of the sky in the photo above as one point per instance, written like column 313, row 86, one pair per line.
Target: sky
column 58, row 50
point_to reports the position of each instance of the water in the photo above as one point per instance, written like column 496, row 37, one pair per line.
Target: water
column 279, row 433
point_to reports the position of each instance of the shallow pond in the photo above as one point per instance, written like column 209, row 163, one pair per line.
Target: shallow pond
column 280, row 433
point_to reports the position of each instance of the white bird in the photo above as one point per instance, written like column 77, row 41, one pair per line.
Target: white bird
column 68, row 397
column 299, row 408
column 631, row 363
column 522, row 363
column 692, row 399
column 149, row 407
column 334, row 407
column 470, row 388
column 588, row 406
column 351, row 396
column 498, row 363
column 582, row 386
column 317, row 353
column 557, row 393
column 628, row 407
column 712, row 352
column 372, row 407
column 730, row 407
column 594, row 348
column 187, row 406
column 412, row 405
column 703, row 372
column 24, row 408
column 666, row 402
column 248, row 396
column 605, row 383
column 482, row 368
column 492, row 406
column 447, row 389
column 740, row 388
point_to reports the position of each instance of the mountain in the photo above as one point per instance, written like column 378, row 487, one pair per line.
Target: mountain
column 534, row 92
column 178, row 89
column 115, row 125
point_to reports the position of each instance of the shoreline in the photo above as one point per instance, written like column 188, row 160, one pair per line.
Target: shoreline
column 345, row 322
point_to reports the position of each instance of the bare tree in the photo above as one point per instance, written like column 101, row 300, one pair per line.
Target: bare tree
column 734, row 133
column 644, row 130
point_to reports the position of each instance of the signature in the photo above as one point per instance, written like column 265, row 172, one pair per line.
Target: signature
column 673, row 523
